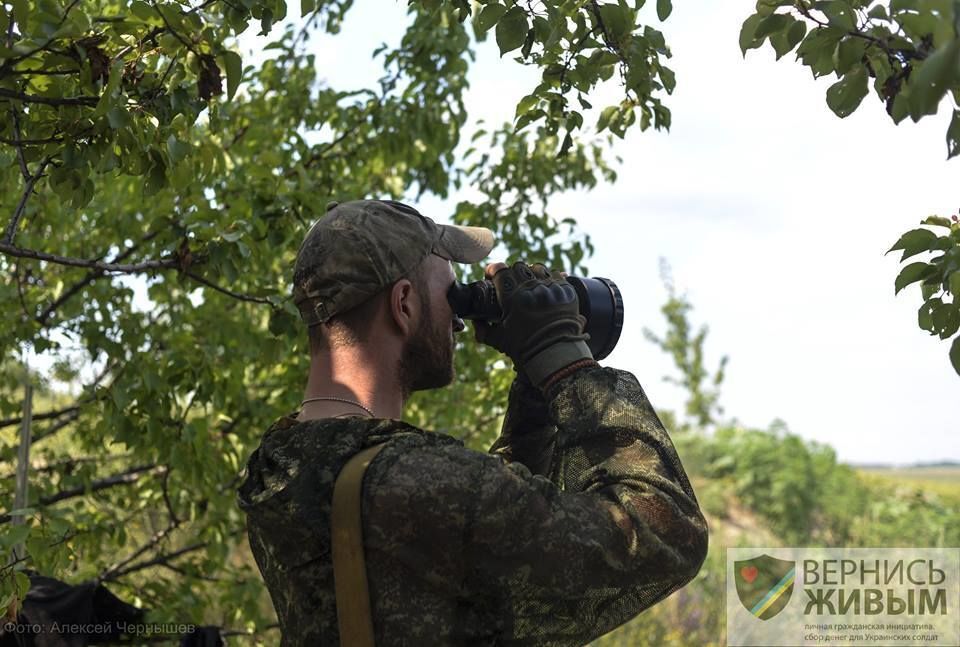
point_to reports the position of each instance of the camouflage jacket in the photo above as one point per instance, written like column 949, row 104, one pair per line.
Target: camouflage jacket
column 580, row 517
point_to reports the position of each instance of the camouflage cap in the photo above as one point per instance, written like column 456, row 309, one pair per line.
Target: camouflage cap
column 361, row 247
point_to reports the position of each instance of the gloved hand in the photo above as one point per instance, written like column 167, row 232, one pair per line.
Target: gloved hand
column 541, row 329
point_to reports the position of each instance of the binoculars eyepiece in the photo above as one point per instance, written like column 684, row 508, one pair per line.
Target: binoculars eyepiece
column 600, row 303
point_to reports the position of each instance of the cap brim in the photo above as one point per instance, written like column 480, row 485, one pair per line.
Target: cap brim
column 464, row 244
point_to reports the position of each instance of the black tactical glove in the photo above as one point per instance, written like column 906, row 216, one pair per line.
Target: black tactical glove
column 541, row 329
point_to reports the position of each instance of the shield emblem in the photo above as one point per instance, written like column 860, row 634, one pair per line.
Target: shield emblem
column 764, row 584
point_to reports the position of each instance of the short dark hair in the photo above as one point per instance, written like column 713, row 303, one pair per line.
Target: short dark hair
column 354, row 326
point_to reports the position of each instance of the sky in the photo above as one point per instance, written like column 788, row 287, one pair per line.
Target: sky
column 774, row 216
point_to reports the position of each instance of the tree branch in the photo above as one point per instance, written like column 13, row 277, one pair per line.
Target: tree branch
column 156, row 561
column 131, row 475
column 43, row 72
column 47, row 415
column 30, row 142
column 49, row 101
column 31, row 180
column 123, row 478
column 143, row 266
column 24, row 171
column 153, row 541
column 90, row 278
column 54, row 428
column 10, row 62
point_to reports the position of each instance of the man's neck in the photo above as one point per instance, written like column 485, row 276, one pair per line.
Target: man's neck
column 350, row 376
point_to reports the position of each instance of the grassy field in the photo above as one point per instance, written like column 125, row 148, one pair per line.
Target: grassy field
column 940, row 479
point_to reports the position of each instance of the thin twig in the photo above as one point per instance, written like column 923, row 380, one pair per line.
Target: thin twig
column 156, row 561
column 43, row 72
column 176, row 569
column 22, row 205
column 174, row 519
column 173, row 31
column 153, row 541
column 235, row 295
column 18, row 142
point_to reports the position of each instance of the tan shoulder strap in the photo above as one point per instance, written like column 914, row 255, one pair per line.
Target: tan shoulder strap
column 349, row 569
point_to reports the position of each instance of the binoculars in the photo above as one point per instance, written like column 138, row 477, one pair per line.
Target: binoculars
column 600, row 303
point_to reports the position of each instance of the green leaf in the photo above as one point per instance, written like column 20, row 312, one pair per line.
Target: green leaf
column 946, row 320
column 914, row 242
column 848, row 53
column 664, row 8
column 844, row 96
column 669, row 79
column 772, row 24
column 307, row 6
column 488, row 17
column 118, row 117
column 911, row 274
column 142, row 10
column 878, row 13
column 511, row 30
column 901, row 106
column 526, row 104
column 605, row 116
column 953, row 135
column 930, row 81
column 13, row 536
column 795, row 34
column 839, row 14
column 786, row 39
column 817, row 49
column 955, row 355
column 233, row 65
column 747, row 31
column 156, row 180
column 938, row 221
column 925, row 315
column 953, row 283
column 928, row 288
column 618, row 21
column 177, row 149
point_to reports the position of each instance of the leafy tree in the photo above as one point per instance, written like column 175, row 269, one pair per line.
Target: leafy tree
column 138, row 153
column 703, row 391
column 910, row 49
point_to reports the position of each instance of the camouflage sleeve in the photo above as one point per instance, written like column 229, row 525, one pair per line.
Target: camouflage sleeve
column 556, row 561
column 528, row 433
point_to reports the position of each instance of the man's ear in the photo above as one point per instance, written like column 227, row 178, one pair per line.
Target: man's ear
column 402, row 306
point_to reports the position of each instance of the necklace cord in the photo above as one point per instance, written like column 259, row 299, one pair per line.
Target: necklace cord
column 372, row 415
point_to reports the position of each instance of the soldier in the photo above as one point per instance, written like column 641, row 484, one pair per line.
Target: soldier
column 579, row 517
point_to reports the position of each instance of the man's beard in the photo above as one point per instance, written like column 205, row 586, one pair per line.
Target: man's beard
column 427, row 359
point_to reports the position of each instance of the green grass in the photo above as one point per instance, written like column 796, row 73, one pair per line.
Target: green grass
column 943, row 480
